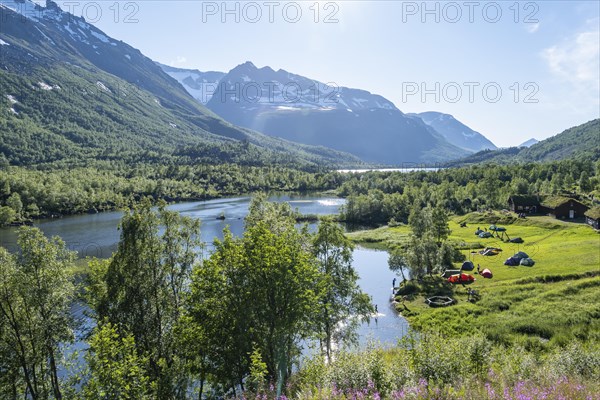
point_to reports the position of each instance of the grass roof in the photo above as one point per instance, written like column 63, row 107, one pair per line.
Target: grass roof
column 593, row 212
column 523, row 200
column 556, row 201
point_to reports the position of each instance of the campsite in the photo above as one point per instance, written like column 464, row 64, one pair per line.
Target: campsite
column 526, row 304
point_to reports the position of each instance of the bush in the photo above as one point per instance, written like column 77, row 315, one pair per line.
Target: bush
column 409, row 288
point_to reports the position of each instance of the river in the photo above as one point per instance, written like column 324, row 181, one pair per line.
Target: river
column 97, row 235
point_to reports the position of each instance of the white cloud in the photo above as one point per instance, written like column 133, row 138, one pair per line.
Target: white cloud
column 577, row 59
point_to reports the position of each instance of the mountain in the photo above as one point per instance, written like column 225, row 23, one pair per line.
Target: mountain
column 68, row 91
column 456, row 132
column 282, row 104
column 529, row 143
column 201, row 85
column 579, row 142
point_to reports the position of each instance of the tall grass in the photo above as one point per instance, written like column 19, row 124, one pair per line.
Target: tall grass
column 434, row 366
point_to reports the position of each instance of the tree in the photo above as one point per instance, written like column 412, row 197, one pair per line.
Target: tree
column 439, row 224
column 284, row 282
column 14, row 202
column 116, row 370
column 140, row 290
column 419, row 220
column 7, row 215
column 422, row 256
column 397, row 262
column 35, row 298
column 585, row 184
column 342, row 300
column 217, row 328
column 256, row 295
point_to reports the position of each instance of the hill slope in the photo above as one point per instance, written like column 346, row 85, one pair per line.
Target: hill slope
column 582, row 141
column 68, row 91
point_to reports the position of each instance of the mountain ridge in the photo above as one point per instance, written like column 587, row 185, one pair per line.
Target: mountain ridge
column 456, row 132
column 283, row 104
column 69, row 90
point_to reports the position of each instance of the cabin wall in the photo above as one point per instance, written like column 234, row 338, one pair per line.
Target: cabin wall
column 594, row 223
column 563, row 211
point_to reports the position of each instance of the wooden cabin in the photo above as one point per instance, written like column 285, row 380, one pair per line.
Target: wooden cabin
column 524, row 204
column 561, row 207
column 592, row 217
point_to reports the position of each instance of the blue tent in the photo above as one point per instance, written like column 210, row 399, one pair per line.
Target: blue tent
column 512, row 261
column 467, row 266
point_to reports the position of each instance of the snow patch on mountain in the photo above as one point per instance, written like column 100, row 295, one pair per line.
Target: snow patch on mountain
column 100, row 37
column 12, row 99
column 280, row 90
column 27, row 9
column 3, row 43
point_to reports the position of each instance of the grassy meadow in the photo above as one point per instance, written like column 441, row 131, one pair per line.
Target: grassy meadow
column 552, row 302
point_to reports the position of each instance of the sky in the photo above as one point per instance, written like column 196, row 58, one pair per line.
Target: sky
column 510, row 70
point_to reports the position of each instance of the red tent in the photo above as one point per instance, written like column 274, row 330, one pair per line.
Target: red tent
column 486, row 273
column 461, row 278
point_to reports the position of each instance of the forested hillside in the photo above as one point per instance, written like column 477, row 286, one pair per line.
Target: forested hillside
column 69, row 92
column 578, row 142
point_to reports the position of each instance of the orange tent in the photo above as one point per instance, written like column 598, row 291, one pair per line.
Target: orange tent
column 461, row 278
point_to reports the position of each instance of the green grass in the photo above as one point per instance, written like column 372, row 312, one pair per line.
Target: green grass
column 553, row 302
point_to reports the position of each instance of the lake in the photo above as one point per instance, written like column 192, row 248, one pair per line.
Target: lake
column 97, row 235
column 402, row 169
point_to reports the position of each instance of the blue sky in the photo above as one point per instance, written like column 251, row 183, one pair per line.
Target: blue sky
column 543, row 56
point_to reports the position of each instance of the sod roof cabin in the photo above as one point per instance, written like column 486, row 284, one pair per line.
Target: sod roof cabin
column 524, row 203
column 561, row 207
column 592, row 217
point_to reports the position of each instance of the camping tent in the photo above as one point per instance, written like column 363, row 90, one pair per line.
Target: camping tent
column 486, row 273
column 478, row 232
column 528, row 262
column 490, row 251
column 516, row 240
column 449, row 272
column 497, row 228
column 484, row 235
column 512, row 261
column 461, row 278
column 520, row 255
column 467, row 266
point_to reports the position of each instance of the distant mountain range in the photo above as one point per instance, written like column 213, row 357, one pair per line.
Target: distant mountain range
column 69, row 91
column 296, row 108
column 579, row 142
column 456, row 132
column 201, row 85
column 529, row 143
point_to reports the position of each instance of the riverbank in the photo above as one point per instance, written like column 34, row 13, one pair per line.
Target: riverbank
column 550, row 303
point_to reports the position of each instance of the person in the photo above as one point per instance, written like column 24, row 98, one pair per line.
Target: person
column 393, row 283
column 478, row 269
